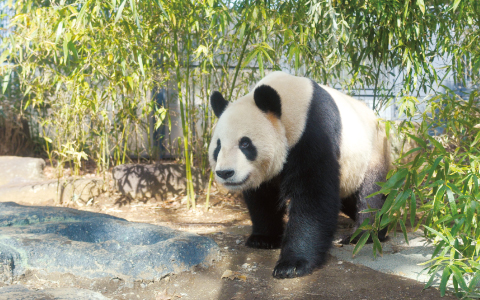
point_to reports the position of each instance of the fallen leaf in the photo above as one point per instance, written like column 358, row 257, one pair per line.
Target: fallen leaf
column 234, row 275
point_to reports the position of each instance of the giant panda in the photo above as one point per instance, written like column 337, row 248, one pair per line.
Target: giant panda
column 295, row 147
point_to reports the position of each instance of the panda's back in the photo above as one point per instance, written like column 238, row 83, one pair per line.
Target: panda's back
column 361, row 142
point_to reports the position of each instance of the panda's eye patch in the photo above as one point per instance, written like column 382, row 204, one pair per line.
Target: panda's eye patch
column 248, row 149
column 245, row 142
column 217, row 150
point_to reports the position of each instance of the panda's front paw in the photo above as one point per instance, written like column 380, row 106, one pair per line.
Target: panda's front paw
column 264, row 241
column 292, row 268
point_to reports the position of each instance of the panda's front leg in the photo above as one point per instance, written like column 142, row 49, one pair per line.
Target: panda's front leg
column 313, row 214
column 266, row 212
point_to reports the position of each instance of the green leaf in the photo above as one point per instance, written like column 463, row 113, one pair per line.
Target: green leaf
column 455, row 4
column 475, row 280
column 404, row 230
column 6, row 80
column 433, row 168
column 161, row 8
column 459, row 277
column 451, row 200
column 412, row 151
column 120, row 10
column 443, row 283
column 59, row 32
column 358, row 231
column 249, row 57
column 432, row 277
column 377, row 244
column 421, row 5
column 361, row 242
column 418, row 140
column 260, row 63
column 72, row 48
column 413, row 208
column 437, row 234
column 140, row 64
column 388, row 202
column 398, row 176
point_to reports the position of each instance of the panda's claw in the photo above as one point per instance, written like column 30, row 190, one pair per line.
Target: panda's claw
column 292, row 269
column 264, row 241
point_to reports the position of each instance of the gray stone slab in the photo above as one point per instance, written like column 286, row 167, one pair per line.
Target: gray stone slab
column 14, row 169
column 94, row 245
column 49, row 192
column 19, row 292
column 398, row 258
column 154, row 180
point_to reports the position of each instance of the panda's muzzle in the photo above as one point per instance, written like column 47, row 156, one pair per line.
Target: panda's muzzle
column 232, row 184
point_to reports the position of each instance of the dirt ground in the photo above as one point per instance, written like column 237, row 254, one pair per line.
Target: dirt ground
column 241, row 273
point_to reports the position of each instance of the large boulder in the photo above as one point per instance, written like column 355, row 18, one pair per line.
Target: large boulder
column 93, row 245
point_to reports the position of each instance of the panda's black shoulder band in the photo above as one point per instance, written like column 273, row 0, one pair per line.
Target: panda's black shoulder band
column 268, row 100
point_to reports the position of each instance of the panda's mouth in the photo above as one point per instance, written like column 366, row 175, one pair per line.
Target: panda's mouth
column 237, row 183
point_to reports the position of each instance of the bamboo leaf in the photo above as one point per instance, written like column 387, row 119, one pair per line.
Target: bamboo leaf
column 361, row 242
column 59, row 32
column 260, row 63
column 421, row 5
column 120, row 10
column 161, row 8
column 377, row 244
column 140, row 64
column 413, row 208
column 443, row 283
column 404, row 230
column 459, row 277
column 437, row 234
column 455, row 4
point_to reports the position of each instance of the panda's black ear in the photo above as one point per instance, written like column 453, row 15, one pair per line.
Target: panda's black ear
column 218, row 103
column 268, row 100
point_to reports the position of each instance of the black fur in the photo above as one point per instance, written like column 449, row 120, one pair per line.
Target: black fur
column 247, row 147
column 354, row 204
column 218, row 103
column 311, row 180
column 217, row 150
column 268, row 100
column 266, row 211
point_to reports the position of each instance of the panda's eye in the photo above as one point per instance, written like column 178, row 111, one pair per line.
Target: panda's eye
column 244, row 143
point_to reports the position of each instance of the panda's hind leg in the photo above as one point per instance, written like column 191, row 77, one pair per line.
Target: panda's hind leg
column 353, row 205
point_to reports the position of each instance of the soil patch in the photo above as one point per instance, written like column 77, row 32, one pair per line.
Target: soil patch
column 246, row 272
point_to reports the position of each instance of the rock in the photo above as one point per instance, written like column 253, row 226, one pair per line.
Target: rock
column 19, row 292
column 14, row 169
column 50, row 192
column 93, row 245
column 157, row 180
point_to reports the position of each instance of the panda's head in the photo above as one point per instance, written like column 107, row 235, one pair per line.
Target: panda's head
column 248, row 146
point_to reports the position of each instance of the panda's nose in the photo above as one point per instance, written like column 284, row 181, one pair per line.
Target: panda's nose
column 225, row 174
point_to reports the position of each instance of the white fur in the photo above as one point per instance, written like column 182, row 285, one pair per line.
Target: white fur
column 357, row 140
column 295, row 94
column 362, row 144
column 243, row 118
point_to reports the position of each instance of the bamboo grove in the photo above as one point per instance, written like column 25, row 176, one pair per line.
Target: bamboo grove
column 86, row 73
